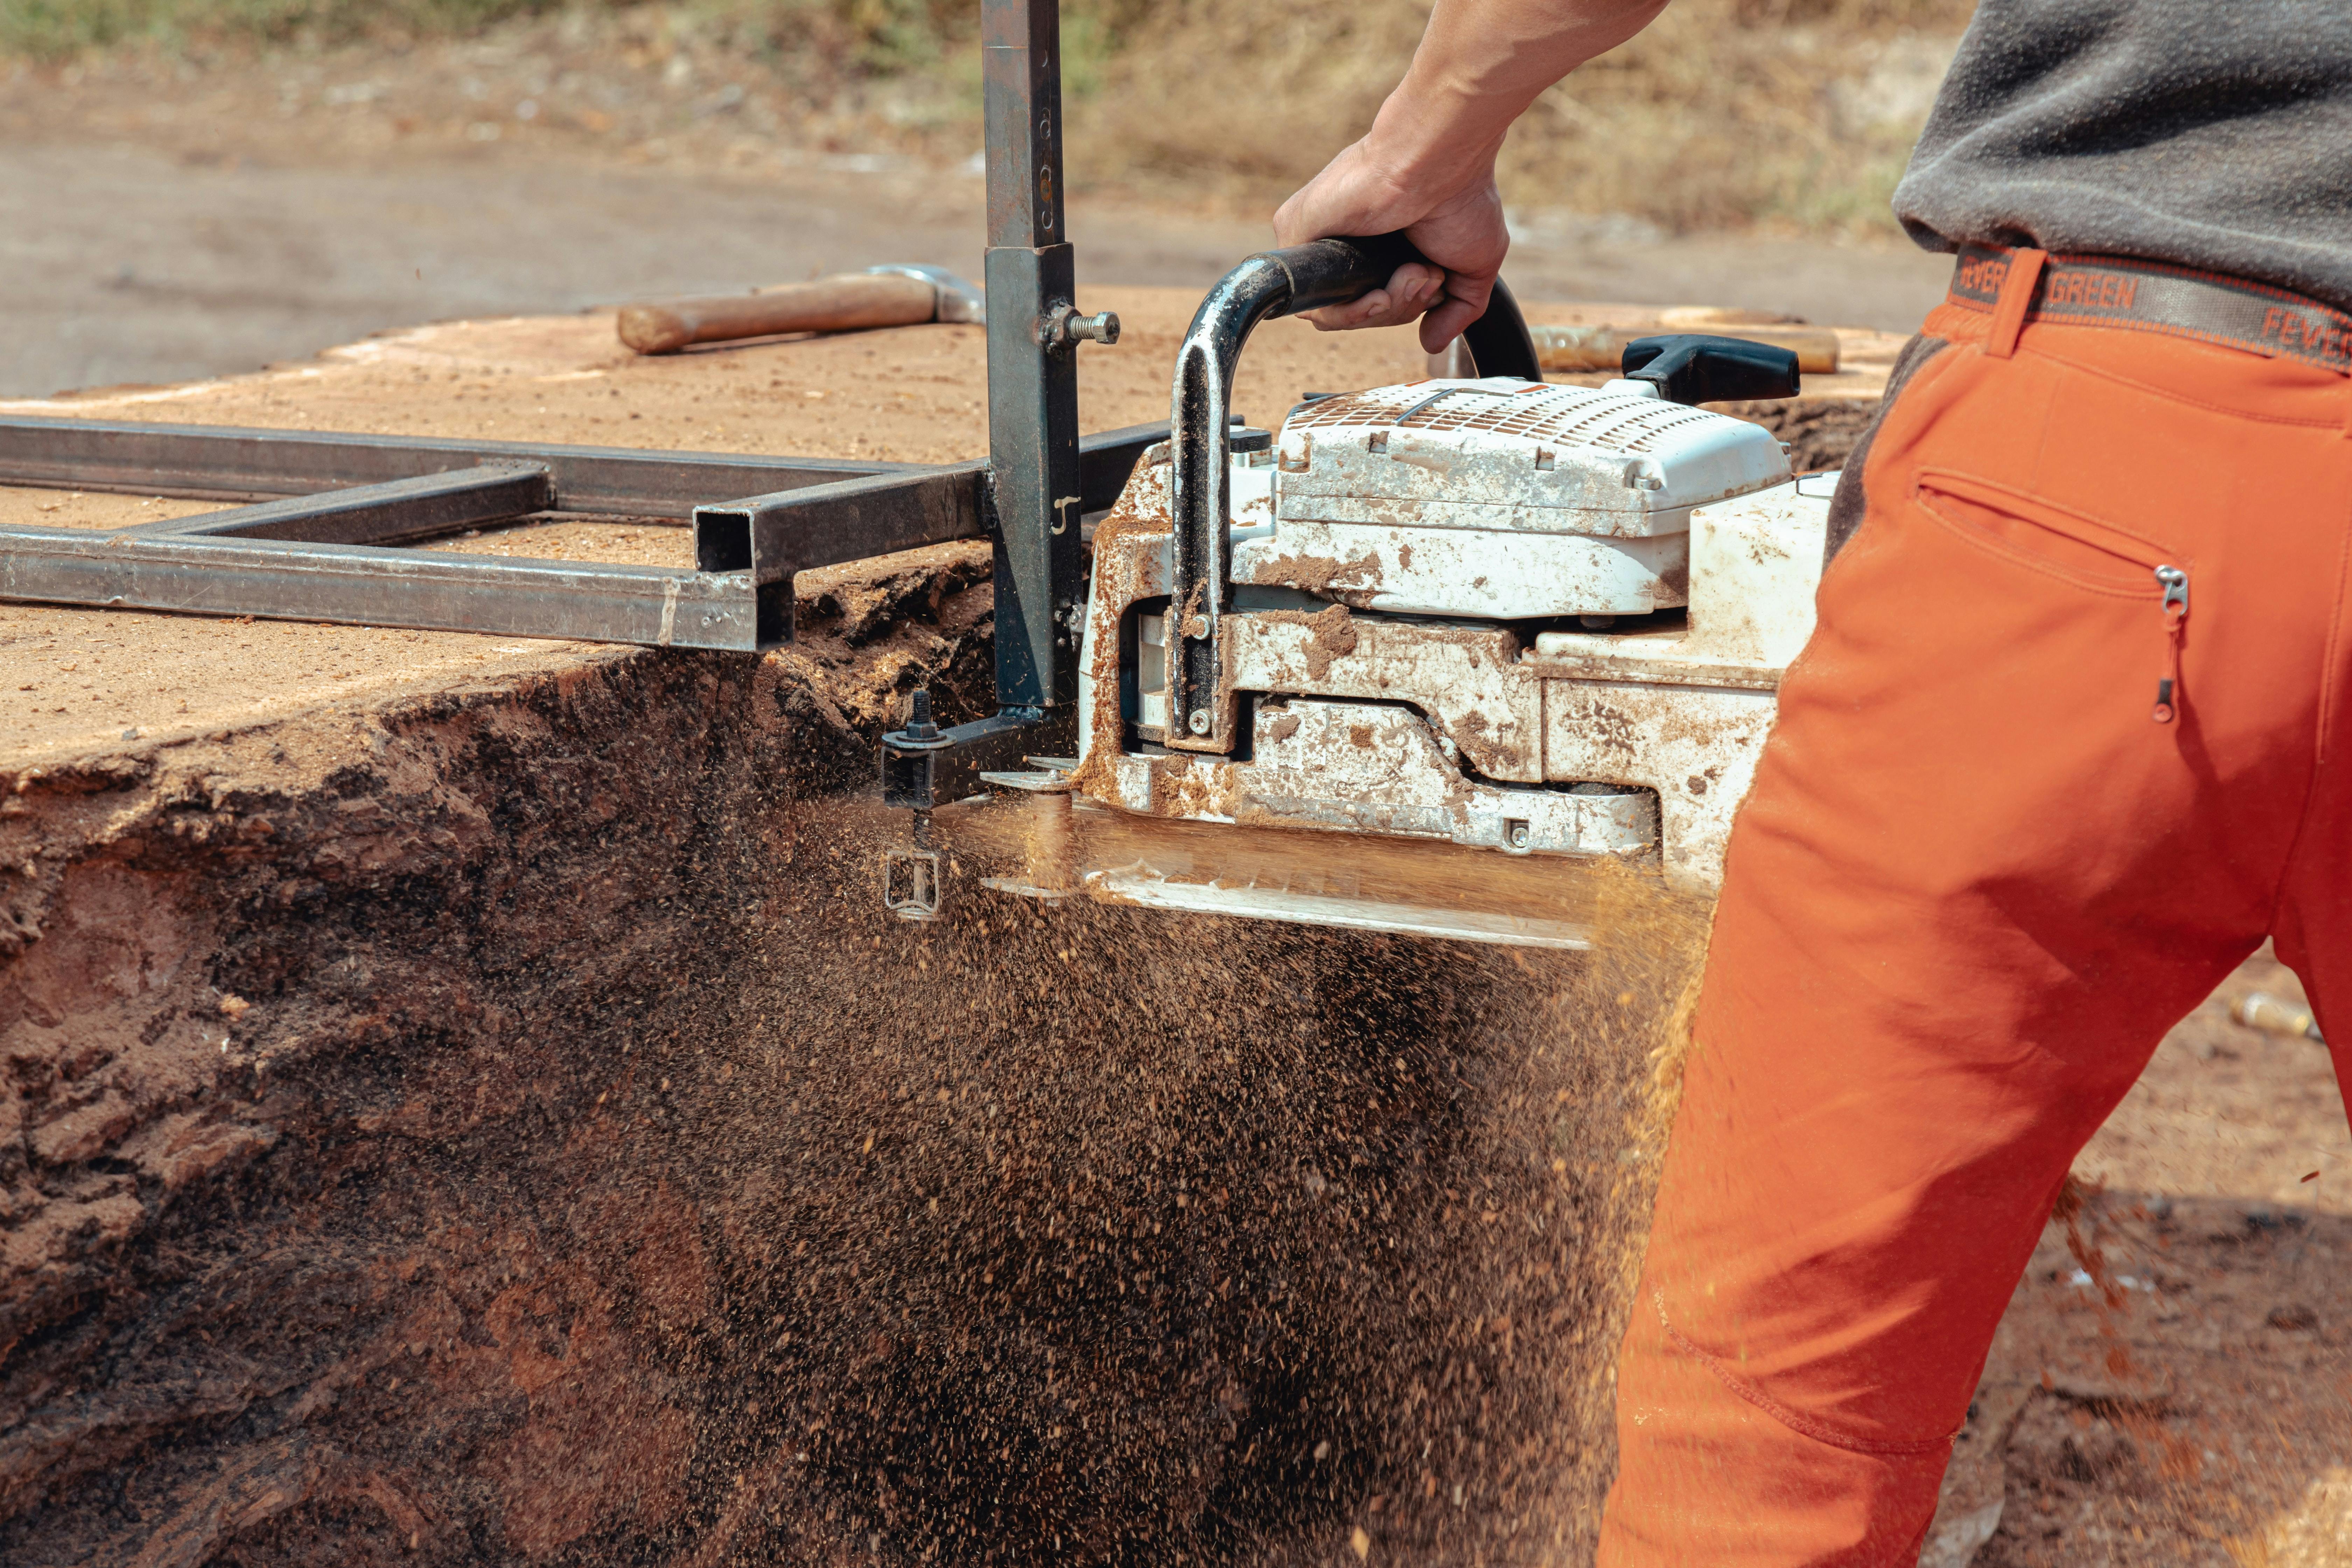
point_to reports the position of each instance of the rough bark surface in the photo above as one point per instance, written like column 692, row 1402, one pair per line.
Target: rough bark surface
column 317, row 1237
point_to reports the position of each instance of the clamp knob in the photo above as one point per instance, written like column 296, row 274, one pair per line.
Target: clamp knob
column 1067, row 326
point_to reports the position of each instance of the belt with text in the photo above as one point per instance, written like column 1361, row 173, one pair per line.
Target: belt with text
column 2152, row 297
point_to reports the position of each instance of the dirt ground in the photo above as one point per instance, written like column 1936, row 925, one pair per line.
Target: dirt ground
column 2173, row 1380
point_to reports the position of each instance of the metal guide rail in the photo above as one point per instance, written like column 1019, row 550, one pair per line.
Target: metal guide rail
column 327, row 536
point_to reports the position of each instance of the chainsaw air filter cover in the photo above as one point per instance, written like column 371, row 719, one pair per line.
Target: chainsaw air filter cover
column 1499, row 498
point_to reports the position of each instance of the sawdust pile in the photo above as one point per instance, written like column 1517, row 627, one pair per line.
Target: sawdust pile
column 1088, row 1235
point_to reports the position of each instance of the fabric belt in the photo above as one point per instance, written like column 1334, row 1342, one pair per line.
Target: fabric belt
column 2152, row 297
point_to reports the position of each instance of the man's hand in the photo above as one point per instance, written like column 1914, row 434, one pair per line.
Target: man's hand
column 1463, row 235
column 1427, row 165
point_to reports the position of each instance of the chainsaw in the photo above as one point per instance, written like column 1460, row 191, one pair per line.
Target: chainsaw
column 1425, row 659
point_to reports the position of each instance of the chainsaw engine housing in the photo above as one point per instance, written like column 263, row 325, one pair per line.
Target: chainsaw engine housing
column 1532, row 621
column 1498, row 498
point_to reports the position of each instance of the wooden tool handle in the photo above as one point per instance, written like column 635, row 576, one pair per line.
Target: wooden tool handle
column 1601, row 348
column 847, row 303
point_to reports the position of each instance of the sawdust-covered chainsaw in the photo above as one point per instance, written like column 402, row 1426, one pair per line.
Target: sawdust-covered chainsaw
column 1417, row 659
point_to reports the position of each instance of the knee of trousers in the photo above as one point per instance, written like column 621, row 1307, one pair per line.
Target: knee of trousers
column 1705, row 1475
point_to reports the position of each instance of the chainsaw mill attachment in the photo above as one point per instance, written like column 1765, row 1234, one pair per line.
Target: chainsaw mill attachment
column 1035, row 494
column 1422, row 661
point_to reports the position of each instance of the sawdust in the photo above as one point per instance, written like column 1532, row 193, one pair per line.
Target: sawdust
column 1097, row 1235
column 1326, row 576
column 913, row 394
column 1179, row 788
column 1332, row 635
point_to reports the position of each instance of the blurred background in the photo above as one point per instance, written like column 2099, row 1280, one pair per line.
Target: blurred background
column 191, row 187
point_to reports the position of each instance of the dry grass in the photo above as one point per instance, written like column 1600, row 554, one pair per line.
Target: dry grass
column 1795, row 114
column 1724, row 113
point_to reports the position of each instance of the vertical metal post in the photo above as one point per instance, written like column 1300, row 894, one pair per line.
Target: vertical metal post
column 1035, row 494
column 1033, row 387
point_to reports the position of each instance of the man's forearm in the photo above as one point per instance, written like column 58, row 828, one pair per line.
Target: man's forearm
column 1480, row 64
column 1427, row 167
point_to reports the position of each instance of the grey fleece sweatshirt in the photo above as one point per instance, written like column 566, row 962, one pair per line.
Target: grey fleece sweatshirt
column 2212, row 133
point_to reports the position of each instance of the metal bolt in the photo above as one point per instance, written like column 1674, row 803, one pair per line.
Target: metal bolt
column 1199, row 722
column 1102, row 327
column 919, row 717
column 1518, row 833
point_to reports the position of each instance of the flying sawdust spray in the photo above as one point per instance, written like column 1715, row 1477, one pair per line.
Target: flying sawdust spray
column 1073, row 1234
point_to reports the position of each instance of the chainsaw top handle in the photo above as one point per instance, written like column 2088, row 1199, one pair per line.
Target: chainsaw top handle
column 1270, row 284
column 1340, row 272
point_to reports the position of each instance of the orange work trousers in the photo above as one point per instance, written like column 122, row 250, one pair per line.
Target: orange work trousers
column 1980, row 873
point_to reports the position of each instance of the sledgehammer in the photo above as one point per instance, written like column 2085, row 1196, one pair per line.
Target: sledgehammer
column 2261, row 1010
column 891, row 296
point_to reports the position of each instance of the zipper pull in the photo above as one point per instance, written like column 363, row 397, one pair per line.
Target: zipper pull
column 2175, row 584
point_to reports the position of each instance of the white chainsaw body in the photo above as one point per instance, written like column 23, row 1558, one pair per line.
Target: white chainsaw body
column 1520, row 618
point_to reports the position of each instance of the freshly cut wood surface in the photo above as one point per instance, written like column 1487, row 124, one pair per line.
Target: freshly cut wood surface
column 915, row 394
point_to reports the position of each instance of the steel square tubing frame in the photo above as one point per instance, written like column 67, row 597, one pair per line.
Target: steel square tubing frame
column 329, row 553
column 226, row 463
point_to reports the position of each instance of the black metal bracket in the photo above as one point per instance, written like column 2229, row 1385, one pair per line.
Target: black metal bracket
column 1041, row 481
column 918, row 774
